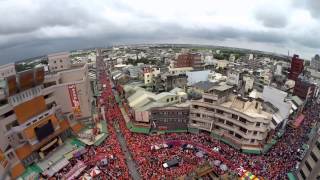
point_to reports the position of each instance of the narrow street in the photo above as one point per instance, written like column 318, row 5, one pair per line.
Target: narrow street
column 130, row 162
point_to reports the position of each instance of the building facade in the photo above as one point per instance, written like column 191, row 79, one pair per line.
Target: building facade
column 59, row 61
column 315, row 62
column 297, row 67
column 243, row 123
column 303, row 88
column 188, row 60
column 169, row 118
column 30, row 125
column 309, row 168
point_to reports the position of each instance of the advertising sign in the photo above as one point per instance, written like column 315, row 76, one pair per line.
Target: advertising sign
column 74, row 100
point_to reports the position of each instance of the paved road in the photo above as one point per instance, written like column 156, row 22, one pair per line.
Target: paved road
column 130, row 162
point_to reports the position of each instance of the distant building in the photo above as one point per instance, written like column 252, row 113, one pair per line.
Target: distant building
column 296, row 67
column 7, row 70
column 304, row 88
column 169, row 118
column 149, row 74
column 315, row 62
column 235, row 77
column 197, row 76
column 188, row 60
column 59, row 61
column 174, row 81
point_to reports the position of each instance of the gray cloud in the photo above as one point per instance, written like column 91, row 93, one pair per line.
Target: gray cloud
column 271, row 19
column 42, row 27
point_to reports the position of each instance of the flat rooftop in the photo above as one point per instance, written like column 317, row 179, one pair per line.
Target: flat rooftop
column 252, row 109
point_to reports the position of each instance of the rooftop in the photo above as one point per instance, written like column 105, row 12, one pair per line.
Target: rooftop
column 249, row 108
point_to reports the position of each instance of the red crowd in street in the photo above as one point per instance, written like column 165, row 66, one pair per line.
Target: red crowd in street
column 281, row 159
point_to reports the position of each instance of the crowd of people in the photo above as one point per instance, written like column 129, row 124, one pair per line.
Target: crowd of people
column 275, row 164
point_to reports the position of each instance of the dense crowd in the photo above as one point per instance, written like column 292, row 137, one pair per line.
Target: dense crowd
column 281, row 159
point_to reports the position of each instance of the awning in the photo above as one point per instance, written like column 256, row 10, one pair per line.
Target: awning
column 298, row 121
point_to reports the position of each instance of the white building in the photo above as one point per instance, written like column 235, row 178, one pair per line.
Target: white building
column 197, row 76
column 7, row 70
column 277, row 98
column 59, row 61
column 149, row 74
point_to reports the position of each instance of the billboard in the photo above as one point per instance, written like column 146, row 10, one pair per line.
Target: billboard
column 75, row 103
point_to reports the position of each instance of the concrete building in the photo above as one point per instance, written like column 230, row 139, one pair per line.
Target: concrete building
column 234, row 77
column 188, row 60
column 31, row 124
column 71, row 90
column 59, row 61
column 243, row 123
column 175, row 81
column 248, row 83
column 304, row 88
column 296, row 67
column 197, row 76
column 315, row 62
column 309, row 168
column 169, row 118
column 149, row 74
column 7, row 70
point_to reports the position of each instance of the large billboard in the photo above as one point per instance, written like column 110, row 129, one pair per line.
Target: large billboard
column 75, row 103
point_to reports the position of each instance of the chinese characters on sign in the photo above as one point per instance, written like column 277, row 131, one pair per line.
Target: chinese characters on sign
column 74, row 100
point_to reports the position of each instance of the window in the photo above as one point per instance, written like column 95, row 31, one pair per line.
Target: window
column 318, row 145
column 176, row 98
column 234, row 116
column 11, row 155
column 252, row 140
column 302, row 174
column 314, row 157
column 238, row 136
column 229, row 123
column 308, row 166
column 167, row 100
column 221, row 121
column 20, row 136
column 61, row 60
column 61, row 66
column 255, row 132
column 54, row 61
column 219, row 111
column 198, row 115
column 258, row 124
column 172, row 99
column 243, row 120
column 231, row 132
column 243, row 130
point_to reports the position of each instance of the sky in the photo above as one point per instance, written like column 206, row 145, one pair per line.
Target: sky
column 31, row 28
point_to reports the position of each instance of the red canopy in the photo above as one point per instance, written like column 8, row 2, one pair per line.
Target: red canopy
column 298, row 121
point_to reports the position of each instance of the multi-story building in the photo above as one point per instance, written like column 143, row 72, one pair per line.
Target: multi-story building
column 149, row 74
column 7, row 70
column 59, row 61
column 309, row 168
column 169, row 118
column 315, row 62
column 304, row 88
column 297, row 67
column 188, row 60
column 71, row 90
column 173, row 81
column 31, row 124
column 241, row 122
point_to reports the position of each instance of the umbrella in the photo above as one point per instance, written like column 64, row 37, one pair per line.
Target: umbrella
column 95, row 171
column 86, row 177
column 156, row 147
column 199, row 154
column 217, row 162
column 223, row 167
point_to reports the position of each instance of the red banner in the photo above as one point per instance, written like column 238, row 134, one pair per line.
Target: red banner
column 74, row 100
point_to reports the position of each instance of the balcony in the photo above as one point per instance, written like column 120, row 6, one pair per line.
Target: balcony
column 5, row 108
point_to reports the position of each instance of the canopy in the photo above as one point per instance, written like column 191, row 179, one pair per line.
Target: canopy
column 95, row 171
column 298, row 120
column 223, row 167
column 217, row 162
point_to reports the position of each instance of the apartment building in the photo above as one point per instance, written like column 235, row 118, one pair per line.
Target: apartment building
column 310, row 165
column 30, row 126
column 71, row 90
column 59, row 61
column 188, row 60
column 243, row 123
column 169, row 118
column 149, row 74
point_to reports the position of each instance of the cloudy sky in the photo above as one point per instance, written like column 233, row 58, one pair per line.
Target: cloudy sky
column 36, row 27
